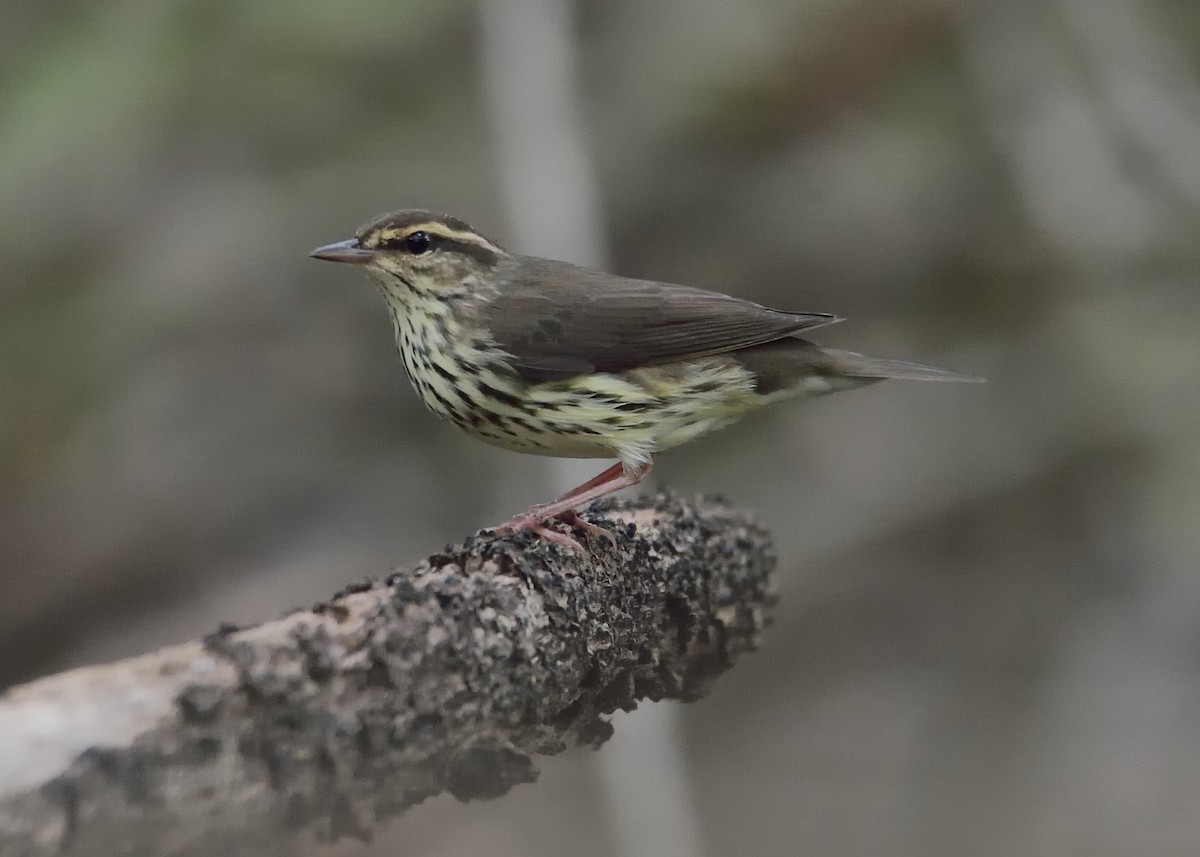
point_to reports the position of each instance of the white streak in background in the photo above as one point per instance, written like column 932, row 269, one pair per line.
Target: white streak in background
column 546, row 176
column 554, row 210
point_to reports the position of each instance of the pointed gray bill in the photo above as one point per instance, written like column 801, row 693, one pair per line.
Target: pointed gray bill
column 344, row 251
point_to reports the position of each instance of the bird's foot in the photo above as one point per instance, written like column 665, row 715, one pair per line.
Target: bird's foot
column 537, row 522
column 573, row 520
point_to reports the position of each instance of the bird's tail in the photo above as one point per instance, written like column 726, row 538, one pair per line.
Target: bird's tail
column 859, row 366
column 790, row 367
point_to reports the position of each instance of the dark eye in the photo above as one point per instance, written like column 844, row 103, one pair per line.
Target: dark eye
column 417, row 243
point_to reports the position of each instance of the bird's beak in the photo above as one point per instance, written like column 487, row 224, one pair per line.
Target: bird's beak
column 344, row 251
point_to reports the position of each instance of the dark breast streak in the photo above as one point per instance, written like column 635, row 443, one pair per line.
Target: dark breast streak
column 464, row 381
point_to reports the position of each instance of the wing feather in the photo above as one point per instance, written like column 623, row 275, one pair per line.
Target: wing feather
column 558, row 321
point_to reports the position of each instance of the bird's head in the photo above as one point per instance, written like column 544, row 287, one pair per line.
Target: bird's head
column 427, row 253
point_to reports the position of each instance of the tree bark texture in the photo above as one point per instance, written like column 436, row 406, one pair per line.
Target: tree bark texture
column 327, row 722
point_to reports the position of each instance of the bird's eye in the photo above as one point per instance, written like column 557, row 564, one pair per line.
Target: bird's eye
column 417, row 243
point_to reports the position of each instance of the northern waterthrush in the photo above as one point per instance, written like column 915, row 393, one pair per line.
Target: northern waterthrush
column 546, row 357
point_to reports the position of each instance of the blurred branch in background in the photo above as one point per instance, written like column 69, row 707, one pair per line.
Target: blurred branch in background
column 330, row 721
column 529, row 58
column 1099, row 124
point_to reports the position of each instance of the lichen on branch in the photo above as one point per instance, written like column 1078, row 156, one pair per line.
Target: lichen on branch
column 329, row 721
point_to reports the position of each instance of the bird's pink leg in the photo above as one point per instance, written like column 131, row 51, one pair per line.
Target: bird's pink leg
column 611, row 480
column 600, row 478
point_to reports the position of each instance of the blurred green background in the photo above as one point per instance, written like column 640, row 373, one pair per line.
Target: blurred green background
column 988, row 640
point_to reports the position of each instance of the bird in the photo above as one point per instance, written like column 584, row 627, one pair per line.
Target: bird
column 546, row 357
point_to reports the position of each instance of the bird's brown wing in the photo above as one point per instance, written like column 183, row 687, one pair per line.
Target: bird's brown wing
column 558, row 321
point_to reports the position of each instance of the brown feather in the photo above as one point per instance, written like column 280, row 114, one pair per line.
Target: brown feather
column 789, row 363
column 559, row 321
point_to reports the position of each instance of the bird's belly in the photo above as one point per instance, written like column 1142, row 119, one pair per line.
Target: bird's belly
column 546, row 443
column 628, row 415
column 581, row 427
column 637, row 413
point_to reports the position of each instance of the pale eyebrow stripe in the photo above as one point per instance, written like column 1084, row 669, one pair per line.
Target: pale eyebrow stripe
column 466, row 241
column 440, row 230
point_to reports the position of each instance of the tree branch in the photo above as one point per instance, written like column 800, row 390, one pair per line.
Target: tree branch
column 327, row 722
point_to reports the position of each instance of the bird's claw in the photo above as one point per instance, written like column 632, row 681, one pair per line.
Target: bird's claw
column 575, row 521
column 558, row 538
column 538, row 524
